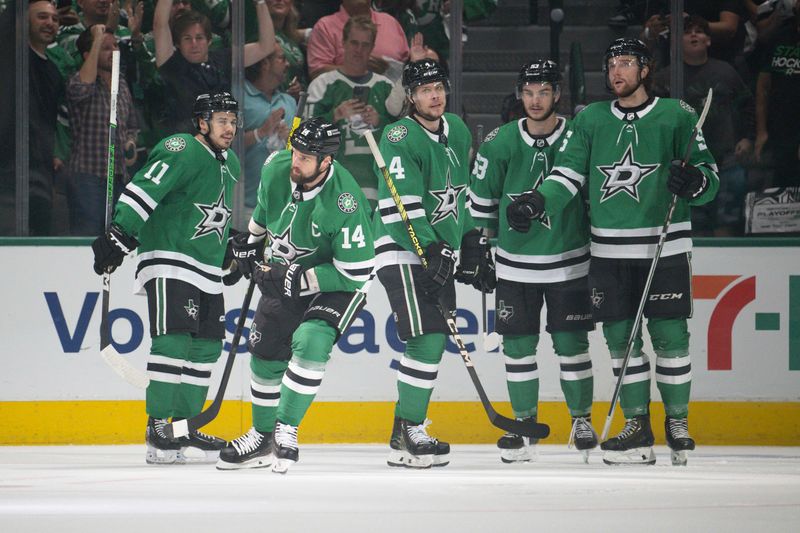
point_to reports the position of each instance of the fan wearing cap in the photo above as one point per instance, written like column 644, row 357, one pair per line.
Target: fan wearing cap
column 310, row 251
column 176, row 213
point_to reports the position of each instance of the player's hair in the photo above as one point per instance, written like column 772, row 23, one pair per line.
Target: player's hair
column 362, row 23
column 184, row 20
column 696, row 21
column 85, row 40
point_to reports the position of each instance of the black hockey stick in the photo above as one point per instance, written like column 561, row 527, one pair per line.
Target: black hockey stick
column 181, row 428
column 525, row 429
column 662, row 238
column 118, row 364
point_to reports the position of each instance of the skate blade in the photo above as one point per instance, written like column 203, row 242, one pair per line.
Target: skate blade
column 192, row 455
column 281, row 466
column 401, row 458
column 441, row 460
column 585, row 455
column 526, row 454
column 634, row 456
column 155, row 456
column 679, row 457
column 255, row 462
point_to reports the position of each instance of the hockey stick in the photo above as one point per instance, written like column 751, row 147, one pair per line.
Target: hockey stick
column 118, row 364
column 181, row 428
column 298, row 117
column 662, row 238
column 525, row 429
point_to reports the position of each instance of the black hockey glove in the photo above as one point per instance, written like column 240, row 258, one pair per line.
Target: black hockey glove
column 247, row 254
column 476, row 266
column 525, row 207
column 229, row 264
column 440, row 260
column 110, row 249
column 279, row 280
column 686, row 182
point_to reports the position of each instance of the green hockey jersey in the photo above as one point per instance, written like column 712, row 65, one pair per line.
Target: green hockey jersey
column 179, row 207
column 325, row 94
column 509, row 162
column 326, row 229
column 624, row 156
column 432, row 179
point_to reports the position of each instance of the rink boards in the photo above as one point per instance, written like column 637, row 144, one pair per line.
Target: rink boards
column 54, row 388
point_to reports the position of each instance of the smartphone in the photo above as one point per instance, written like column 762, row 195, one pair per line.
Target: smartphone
column 361, row 93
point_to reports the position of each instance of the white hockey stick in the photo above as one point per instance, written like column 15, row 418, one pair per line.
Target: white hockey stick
column 637, row 323
column 118, row 364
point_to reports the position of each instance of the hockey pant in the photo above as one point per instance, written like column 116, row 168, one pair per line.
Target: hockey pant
column 284, row 390
column 179, row 368
column 522, row 372
column 670, row 338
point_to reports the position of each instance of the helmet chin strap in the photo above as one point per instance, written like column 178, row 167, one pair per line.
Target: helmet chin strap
column 214, row 148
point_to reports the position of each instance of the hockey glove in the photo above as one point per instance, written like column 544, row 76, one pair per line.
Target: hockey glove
column 476, row 266
column 110, row 249
column 229, row 265
column 440, row 260
column 247, row 254
column 525, row 207
column 279, row 280
column 686, row 182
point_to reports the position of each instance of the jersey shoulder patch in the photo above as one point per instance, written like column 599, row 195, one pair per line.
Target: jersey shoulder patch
column 397, row 133
column 686, row 107
column 175, row 144
column 492, row 134
column 347, row 203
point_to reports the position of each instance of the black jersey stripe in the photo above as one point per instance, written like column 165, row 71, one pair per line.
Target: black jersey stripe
column 575, row 183
column 475, row 206
column 514, row 368
column 389, row 247
column 576, row 367
column 419, row 374
column 196, row 373
column 500, row 259
column 265, row 395
column 644, row 239
column 358, row 271
column 392, row 210
column 673, row 371
column 631, row 370
column 141, row 203
column 164, row 369
column 178, row 263
column 300, row 380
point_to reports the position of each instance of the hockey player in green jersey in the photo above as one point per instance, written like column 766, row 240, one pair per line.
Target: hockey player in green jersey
column 549, row 263
column 628, row 154
column 176, row 213
column 315, row 223
column 428, row 159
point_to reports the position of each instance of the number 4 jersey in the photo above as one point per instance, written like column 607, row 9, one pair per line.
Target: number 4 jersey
column 178, row 207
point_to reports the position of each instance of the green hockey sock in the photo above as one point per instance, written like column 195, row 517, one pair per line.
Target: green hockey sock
column 577, row 381
column 416, row 375
column 265, row 392
column 164, row 366
column 634, row 396
column 196, row 376
column 522, row 373
column 673, row 365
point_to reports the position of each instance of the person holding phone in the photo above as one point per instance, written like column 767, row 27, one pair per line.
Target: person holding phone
column 354, row 99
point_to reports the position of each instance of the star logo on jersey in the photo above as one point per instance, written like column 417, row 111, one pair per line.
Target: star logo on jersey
column 192, row 309
column 504, row 312
column 255, row 335
column 546, row 220
column 597, row 298
column 215, row 218
column 448, row 201
column 283, row 247
column 624, row 176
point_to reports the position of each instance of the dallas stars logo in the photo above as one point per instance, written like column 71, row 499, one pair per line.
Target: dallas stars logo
column 597, row 298
column 215, row 218
column 192, row 309
column 283, row 247
column 504, row 312
column 448, row 201
column 624, row 176
column 546, row 220
column 255, row 335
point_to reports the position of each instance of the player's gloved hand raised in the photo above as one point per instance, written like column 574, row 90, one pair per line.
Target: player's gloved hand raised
column 525, row 207
column 686, row 182
column 279, row 280
column 476, row 266
column 439, row 256
column 110, row 249
column 247, row 254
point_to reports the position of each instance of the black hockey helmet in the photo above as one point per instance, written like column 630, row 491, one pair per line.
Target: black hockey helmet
column 539, row 71
column 317, row 137
column 628, row 47
column 207, row 104
column 423, row 72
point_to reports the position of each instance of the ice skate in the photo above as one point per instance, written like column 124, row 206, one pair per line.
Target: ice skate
column 517, row 449
column 198, row 447
column 583, row 436
column 284, row 447
column 678, row 439
column 398, row 456
column 251, row 450
column 161, row 450
column 417, row 448
column 633, row 445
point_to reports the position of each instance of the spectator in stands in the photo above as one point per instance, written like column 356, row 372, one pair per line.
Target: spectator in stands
column 778, row 107
column 284, row 19
column 729, row 129
column 313, row 10
column 397, row 104
column 354, row 99
column 89, row 100
column 268, row 114
column 92, row 12
column 326, row 49
column 194, row 69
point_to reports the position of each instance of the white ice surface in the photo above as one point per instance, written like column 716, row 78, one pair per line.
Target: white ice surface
column 349, row 488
